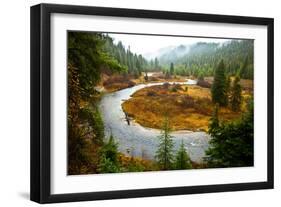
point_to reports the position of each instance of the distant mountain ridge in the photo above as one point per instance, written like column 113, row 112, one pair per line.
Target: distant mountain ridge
column 157, row 53
column 203, row 57
column 181, row 51
column 175, row 51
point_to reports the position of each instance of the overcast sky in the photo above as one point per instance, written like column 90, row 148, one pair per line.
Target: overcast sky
column 143, row 44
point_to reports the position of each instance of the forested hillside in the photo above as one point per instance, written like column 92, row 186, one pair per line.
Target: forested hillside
column 134, row 63
column 90, row 55
column 198, row 59
column 202, row 58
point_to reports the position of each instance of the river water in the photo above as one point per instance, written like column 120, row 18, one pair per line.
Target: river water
column 137, row 140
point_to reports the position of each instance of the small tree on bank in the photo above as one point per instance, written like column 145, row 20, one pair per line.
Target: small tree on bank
column 219, row 93
column 164, row 154
column 228, row 87
column 172, row 70
column 146, row 76
column 214, row 121
column 235, row 95
column 182, row 159
column 200, row 76
column 109, row 157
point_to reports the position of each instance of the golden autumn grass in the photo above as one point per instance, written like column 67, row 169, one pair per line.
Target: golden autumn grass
column 136, row 163
column 188, row 107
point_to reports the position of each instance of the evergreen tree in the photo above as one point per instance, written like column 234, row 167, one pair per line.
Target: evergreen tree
column 244, row 71
column 214, row 121
column 146, row 76
column 228, row 85
column 172, row 70
column 94, row 120
column 86, row 53
column 218, row 90
column 164, row 154
column 235, row 95
column 151, row 64
column 200, row 76
column 109, row 157
column 167, row 74
column 182, row 159
column 156, row 64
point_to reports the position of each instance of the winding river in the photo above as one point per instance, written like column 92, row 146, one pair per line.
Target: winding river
column 137, row 140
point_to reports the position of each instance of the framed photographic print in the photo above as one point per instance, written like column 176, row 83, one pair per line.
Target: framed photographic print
column 133, row 103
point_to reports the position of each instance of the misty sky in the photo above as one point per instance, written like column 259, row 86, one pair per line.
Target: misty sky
column 144, row 44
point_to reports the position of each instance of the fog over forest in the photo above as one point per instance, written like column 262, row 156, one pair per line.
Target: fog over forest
column 155, row 46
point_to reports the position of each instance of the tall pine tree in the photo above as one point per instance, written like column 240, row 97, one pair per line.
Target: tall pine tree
column 228, row 86
column 182, row 159
column 109, row 157
column 219, row 93
column 172, row 70
column 244, row 71
column 214, row 121
column 164, row 154
column 235, row 95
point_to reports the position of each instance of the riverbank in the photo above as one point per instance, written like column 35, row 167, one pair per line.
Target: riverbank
column 115, row 83
column 138, row 164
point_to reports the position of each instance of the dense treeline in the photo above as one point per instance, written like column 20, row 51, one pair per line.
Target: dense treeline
column 202, row 58
column 134, row 63
column 86, row 59
column 224, row 91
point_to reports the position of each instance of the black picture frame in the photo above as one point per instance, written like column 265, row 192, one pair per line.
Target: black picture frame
column 41, row 96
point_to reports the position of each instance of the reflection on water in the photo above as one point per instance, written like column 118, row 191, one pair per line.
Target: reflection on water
column 141, row 141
